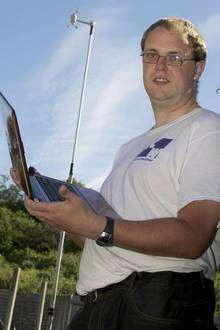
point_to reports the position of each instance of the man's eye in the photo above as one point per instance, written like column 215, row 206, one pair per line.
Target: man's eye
column 174, row 58
column 151, row 55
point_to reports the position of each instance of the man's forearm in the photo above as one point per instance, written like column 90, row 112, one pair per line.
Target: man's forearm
column 170, row 237
column 186, row 236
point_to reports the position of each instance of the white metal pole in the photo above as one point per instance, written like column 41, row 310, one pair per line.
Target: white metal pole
column 92, row 24
column 74, row 20
column 56, row 280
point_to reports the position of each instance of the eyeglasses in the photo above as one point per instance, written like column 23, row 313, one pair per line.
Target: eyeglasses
column 173, row 59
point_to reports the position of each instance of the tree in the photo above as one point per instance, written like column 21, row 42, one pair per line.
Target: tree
column 30, row 244
column 10, row 195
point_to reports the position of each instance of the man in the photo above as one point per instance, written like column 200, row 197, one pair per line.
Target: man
column 146, row 269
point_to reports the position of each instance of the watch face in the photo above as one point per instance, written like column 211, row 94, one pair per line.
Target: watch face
column 105, row 239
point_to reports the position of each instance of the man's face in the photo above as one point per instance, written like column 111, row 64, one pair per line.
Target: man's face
column 165, row 84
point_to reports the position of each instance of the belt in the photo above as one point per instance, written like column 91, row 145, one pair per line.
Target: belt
column 98, row 293
column 164, row 277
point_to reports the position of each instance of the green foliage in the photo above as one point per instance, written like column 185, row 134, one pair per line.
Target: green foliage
column 31, row 245
column 5, row 272
column 10, row 195
column 71, row 264
column 217, row 291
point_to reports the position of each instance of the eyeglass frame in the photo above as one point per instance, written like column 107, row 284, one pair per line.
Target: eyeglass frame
column 182, row 59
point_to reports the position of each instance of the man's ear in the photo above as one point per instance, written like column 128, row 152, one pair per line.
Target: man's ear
column 200, row 67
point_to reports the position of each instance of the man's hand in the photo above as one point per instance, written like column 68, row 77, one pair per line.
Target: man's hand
column 15, row 177
column 71, row 215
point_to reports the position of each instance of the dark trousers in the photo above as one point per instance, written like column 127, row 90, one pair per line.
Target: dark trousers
column 150, row 301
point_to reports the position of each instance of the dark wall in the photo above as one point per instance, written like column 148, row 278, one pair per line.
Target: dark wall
column 26, row 310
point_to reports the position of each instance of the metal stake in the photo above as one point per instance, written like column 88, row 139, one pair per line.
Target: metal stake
column 12, row 299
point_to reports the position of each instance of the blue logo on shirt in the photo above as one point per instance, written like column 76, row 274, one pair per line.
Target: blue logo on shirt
column 151, row 152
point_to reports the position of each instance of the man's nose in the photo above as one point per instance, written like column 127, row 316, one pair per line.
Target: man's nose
column 161, row 63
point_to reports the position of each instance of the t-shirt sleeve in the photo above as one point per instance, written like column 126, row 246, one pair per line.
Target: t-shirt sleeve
column 200, row 176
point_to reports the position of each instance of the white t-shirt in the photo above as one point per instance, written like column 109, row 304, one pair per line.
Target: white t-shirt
column 154, row 175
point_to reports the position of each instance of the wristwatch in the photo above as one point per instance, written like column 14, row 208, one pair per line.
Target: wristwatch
column 106, row 237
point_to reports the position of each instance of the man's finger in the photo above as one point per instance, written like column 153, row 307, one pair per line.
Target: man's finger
column 32, row 170
column 65, row 192
column 37, row 206
column 15, row 177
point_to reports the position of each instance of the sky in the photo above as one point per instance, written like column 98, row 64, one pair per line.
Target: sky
column 42, row 63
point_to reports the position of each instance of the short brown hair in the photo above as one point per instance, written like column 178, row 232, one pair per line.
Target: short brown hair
column 186, row 28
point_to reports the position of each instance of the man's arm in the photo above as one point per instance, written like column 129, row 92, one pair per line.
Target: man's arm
column 186, row 236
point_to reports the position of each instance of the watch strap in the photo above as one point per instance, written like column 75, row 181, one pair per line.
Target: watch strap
column 109, row 228
column 107, row 236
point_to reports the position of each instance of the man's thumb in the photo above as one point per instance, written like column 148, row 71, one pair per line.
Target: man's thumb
column 64, row 192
